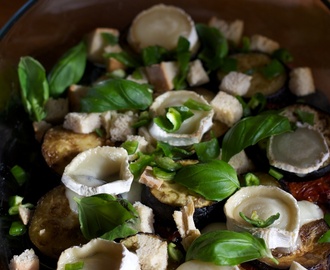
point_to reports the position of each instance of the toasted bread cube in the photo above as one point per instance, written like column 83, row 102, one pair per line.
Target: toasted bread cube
column 301, row 81
column 263, row 44
column 236, row 83
column 227, row 108
column 83, row 123
column 113, row 64
column 121, row 126
column 232, row 31
column 75, row 94
column 146, row 223
column 197, row 75
column 161, row 75
column 96, row 44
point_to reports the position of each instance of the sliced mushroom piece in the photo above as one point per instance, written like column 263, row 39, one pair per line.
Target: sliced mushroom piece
column 301, row 152
column 162, row 25
column 266, row 201
column 99, row 254
column 99, row 170
column 192, row 129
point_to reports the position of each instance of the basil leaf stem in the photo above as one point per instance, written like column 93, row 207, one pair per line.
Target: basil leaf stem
column 68, row 70
column 251, row 130
column 228, row 248
column 34, row 87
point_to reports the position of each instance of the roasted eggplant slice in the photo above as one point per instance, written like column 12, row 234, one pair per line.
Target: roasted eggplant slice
column 172, row 196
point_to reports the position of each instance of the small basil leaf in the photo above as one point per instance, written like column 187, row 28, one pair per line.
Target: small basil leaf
column 154, row 54
column 283, row 55
column 251, row 130
column 102, row 213
column 117, row 94
column 305, row 117
column 255, row 221
column 215, row 180
column 137, row 167
column 125, row 58
column 214, row 46
column 130, row 146
column 110, row 38
column 68, row 70
column 207, row 150
column 228, row 248
column 34, row 87
column 183, row 57
column 273, row 69
column 119, row 232
column 325, row 238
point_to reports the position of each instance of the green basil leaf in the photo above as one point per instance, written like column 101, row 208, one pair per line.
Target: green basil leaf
column 214, row 46
column 207, row 150
column 183, row 57
column 34, row 87
column 117, row 94
column 327, row 218
column 251, row 130
column 110, row 38
column 17, row 228
column 283, row 55
column 119, row 232
column 154, row 54
column 215, row 180
column 228, row 248
column 305, row 117
column 325, row 238
column 255, row 221
column 102, row 213
column 273, row 69
column 172, row 151
column 68, row 70
column 125, row 58
column 137, row 167
column 229, row 64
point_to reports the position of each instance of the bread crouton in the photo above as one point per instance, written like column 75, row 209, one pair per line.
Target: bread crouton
column 161, row 75
column 236, row 83
column 263, row 44
column 232, row 31
column 227, row 108
column 83, row 123
column 146, row 224
column 111, row 63
column 196, row 74
column 121, row 126
column 96, row 43
column 301, row 81
column 75, row 94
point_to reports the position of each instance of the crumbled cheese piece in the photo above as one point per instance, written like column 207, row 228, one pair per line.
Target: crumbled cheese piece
column 147, row 178
column 236, row 83
column 56, row 110
column 241, row 163
column 25, row 214
column 263, row 44
column 301, row 81
column 146, row 222
column 197, row 75
column 227, row 108
column 28, row 260
column 82, row 122
column 184, row 220
column 232, row 31
column 161, row 75
column 96, row 43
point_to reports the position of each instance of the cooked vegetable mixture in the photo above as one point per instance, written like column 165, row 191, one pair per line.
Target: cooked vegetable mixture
column 179, row 145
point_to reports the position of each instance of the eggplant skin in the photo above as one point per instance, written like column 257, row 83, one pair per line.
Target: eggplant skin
column 54, row 227
column 164, row 211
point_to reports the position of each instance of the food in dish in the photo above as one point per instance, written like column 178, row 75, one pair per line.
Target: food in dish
column 178, row 120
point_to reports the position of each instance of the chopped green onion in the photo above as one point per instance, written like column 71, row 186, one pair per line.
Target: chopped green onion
column 130, row 146
column 144, row 119
column 305, row 117
column 283, row 55
column 19, row 174
column 154, row 54
column 255, row 221
column 251, row 179
column 17, row 228
column 196, row 105
column 15, row 200
column 163, row 174
column 277, row 175
column 257, row 102
column 74, row 266
column 167, row 164
column 174, row 253
column 110, row 38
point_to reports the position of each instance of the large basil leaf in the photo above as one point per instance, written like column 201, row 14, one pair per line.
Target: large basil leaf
column 215, row 179
column 100, row 214
column 251, row 130
column 34, row 87
column 68, row 70
column 228, row 248
column 117, row 94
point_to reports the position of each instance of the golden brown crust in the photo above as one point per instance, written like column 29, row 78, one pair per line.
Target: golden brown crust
column 54, row 227
column 60, row 146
